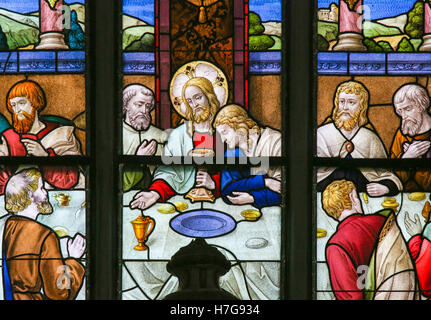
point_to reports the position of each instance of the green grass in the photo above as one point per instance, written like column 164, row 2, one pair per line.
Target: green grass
column 277, row 44
column 18, row 35
column 329, row 30
column 373, row 29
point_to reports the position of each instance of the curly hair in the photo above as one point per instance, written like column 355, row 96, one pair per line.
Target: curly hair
column 335, row 198
column 237, row 118
column 17, row 190
column 30, row 90
column 357, row 88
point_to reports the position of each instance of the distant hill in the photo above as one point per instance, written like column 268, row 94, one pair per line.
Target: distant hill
column 133, row 34
column 374, row 29
column 21, row 18
column 399, row 22
column 18, row 34
column 272, row 28
column 129, row 21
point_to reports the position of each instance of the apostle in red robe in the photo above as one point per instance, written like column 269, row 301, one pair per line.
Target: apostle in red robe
column 32, row 136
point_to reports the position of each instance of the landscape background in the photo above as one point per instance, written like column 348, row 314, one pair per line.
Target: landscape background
column 387, row 27
column 19, row 24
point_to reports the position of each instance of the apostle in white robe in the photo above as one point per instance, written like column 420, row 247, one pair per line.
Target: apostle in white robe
column 140, row 137
column 349, row 135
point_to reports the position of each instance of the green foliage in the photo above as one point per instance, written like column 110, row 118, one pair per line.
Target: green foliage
column 415, row 21
column 405, row 46
column 385, row 46
column 322, row 43
column 255, row 26
column 145, row 43
column 261, row 42
column 328, row 30
column 372, row 46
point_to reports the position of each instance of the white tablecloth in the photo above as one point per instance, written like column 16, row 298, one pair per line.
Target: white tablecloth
column 164, row 242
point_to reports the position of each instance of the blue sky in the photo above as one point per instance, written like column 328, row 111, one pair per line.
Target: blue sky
column 27, row 6
column 269, row 10
column 142, row 9
column 379, row 9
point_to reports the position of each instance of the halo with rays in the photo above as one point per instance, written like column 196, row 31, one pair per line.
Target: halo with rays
column 192, row 70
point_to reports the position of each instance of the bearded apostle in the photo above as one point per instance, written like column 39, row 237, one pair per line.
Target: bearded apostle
column 372, row 242
column 33, row 267
column 140, row 137
column 350, row 135
column 196, row 133
column 412, row 140
column 33, row 136
column 260, row 187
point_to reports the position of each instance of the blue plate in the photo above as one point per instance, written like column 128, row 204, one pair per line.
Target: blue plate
column 203, row 223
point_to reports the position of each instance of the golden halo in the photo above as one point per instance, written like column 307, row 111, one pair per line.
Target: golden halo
column 192, row 70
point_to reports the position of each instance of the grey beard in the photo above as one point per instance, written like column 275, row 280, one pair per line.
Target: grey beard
column 410, row 128
column 140, row 124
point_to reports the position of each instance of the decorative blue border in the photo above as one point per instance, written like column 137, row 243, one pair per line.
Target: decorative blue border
column 343, row 63
column 42, row 62
column 268, row 62
column 139, row 63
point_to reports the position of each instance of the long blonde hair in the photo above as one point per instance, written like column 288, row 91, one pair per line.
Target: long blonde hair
column 237, row 118
column 208, row 90
column 335, row 198
column 357, row 88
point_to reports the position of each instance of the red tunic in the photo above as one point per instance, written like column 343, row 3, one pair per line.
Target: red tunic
column 350, row 247
column 420, row 250
column 202, row 141
column 62, row 177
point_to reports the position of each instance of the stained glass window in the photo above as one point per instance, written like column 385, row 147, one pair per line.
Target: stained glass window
column 43, row 186
column 371, row 146
column 201, row 87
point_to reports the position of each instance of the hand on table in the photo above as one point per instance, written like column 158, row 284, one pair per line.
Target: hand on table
column 203, row 179
column 241, row 198
column 144, row 199
column 376, row 189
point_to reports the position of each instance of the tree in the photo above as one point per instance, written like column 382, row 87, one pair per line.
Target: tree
column 255, row 26
column 261, row 43
column 75, row 37
column 415, row 21
column 372, row 46
column 322, row 43
column 257, row 40
column 3, row 41
column 405, row 46
column 385, row 46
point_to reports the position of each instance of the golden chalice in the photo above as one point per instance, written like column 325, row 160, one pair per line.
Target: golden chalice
column 143, row 226
column 63, row 199
column 200, row 193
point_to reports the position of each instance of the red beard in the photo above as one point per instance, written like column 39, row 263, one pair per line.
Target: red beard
column 24, row 125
